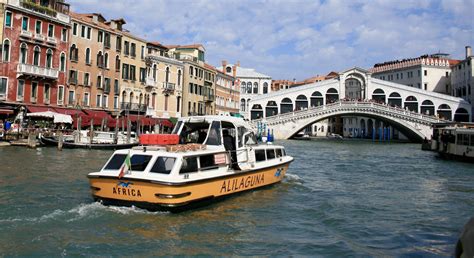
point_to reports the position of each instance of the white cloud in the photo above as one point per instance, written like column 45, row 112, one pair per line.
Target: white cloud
column 299, row 38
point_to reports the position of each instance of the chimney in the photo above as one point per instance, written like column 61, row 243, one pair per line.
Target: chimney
column 238, row 64
column 468, row 51
column 224, row 65
column 234, row 70
column 113, row 24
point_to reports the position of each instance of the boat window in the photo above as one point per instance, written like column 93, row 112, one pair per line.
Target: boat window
column 472, row 139
column 176, row 127
column 463, row 139
column 260, row 155
column 278, row 153
column 189, row 165
column 283, row 152
column 194, row 133
column 241, row 131
column 163, row 165
column 207, row 162
column 250, row 139
column 139, row 162
column 214, row 137
column 116, row 162
column 270, row 153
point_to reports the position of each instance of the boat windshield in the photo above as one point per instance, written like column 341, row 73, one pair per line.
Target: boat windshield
column 177, row 127
column 194, row 133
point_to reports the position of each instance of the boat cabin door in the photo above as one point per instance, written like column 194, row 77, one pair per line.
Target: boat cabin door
column 245, row 151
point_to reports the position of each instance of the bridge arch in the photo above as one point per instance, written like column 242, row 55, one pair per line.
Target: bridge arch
column 286, row 106
column 427, row 108
column 301, row 102
column 256, row 112
column 379, row 95
column 395, row 100
column 445, row 112
column 271, row 109
column 332, row 95
column 317, row 99
column 411, row 103
column 461, row 115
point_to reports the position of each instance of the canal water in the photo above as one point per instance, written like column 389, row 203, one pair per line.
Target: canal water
column 338, row 199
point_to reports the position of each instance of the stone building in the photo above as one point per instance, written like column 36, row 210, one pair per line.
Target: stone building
column 462, row 78
column 227, row 93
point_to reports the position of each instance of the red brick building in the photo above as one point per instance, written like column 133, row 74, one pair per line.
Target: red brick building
column 34, row 53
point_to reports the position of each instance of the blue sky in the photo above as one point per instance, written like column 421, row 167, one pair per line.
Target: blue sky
column 298, row 39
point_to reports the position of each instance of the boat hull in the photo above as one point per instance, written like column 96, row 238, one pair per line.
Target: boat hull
column 69, row 145
column 161, row 196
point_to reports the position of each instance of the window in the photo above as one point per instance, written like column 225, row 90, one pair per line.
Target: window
column 132, row 73
column 98, row 100
column 60, row 95
column 142, row 74
column 3, row 87
column 189, row 165
column 8, row 19
column 426, row 86
column 125, row 71
column 419, row 73
column 64, row 35
column 163, row 165
column 118, row 44
column 86, row 79
column 116, row 100
column 107, row 84
column 51, row 30
column 105, row 101
column 106, row 60
column 116, row 86
column 133, row 50
column 260, row 155
column 278, row 153
column 126, row 50
column 426, row 72
column 99, row 82
column 179, row 77
column 139, row 162
column 270, row 154
column 6, row 50
column 38, row 27
column 214, row 137
column 143, row 52
column 62, row 62
column 24, row 23
column 88, row 56
column 20, row 91
column 85, row 101
column 100, row 36
column 74, row 29
column 265, row 88
column 46, row 93
column 70, row 99
column 115, row 162
column 36, row 56
column 100, row 59
column 49, row 58
column 106, row 40
column 34, row 91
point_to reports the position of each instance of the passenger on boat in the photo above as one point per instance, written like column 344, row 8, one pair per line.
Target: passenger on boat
column 229, row 145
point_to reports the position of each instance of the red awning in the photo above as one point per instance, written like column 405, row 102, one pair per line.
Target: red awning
column 6, row 111
column 34, row 109
column 97, row 114
column 165, row 122
column 69, row 111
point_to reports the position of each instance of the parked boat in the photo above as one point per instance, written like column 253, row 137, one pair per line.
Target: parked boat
column 100, row 140
column 455, row 143
column 205, row 159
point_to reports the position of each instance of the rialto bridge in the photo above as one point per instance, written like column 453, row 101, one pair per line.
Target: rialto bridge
column 354, row 92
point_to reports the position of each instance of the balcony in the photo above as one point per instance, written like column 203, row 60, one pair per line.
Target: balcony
column 133, row 106
column 150, row 82
column 25, row 33
column 51, row 40
column 209, row 98
column 168, row 87
column 39, row 37
column 54, row 9
column 36, row 71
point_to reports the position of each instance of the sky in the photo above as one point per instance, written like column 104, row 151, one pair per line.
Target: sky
column 298, row 39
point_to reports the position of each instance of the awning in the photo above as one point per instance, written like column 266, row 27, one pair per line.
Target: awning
column 57, row 118
column 69, row 111
column 99, row 114
column 6, row 112
column 165, row 122
column 36, row 109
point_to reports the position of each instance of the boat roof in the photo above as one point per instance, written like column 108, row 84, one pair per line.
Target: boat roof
column 237, row 121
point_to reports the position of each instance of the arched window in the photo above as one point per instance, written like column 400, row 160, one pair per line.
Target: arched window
column 461, row 115
column 106, row 60
column 242, row 87
column 265, row 88
column 228, row 69
column 179, row 77
column 256, row 112
column 73, row 53
column 378, row 95
column 332, row 95
column 100, row 59
column 36, row 55
column 301, row 102
column 255, row 88
column 6, row 50
column 249, row 88
column 316, row 99
column 88, row 56
column 427, row 108
column 271, row 109
column 286, row 106
column 154, row 71
column 23, row 53
column 62, row 62
column 49, row 58
column 395, row 100
column 242, row 105
column 411, row 103
column 117, row 63
column 444, row 112
column 167, row 74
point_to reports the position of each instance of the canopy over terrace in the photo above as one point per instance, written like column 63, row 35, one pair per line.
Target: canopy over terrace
column 57, row 118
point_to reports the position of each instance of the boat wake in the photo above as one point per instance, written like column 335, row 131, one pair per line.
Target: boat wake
column 293, row 179
column 84, row 210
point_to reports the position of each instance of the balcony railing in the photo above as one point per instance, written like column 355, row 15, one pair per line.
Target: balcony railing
column 209, row 98
column 133, row 106
column 150, row 82
column 25, row 33
column 51, row 40
column 32, row 70
column 39, row 37
column 168, row 86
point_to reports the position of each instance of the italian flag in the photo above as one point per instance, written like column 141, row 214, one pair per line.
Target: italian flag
column 126, row 166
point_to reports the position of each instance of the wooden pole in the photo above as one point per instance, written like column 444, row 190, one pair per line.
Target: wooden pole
column 129, row 128
column 60, row 141
column 91, row 131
